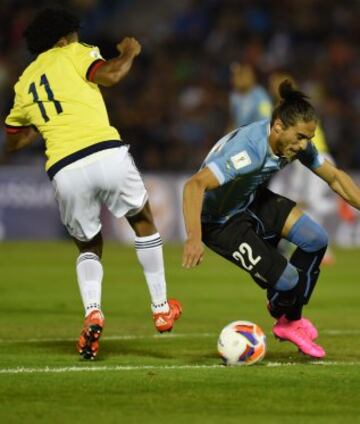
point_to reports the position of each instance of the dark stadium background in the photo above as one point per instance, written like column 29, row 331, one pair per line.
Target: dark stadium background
column 171, row 108
column 173, row 105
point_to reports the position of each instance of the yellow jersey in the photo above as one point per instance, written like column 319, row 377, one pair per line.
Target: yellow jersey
column 56, row 94
column 319, row 140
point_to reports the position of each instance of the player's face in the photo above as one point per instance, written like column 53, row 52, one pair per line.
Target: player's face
column 294, row 139
column 242, row 77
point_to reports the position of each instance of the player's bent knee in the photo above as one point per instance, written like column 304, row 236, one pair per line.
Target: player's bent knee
column 93, row 245
column 322, row 238
column 308, row 235
column 316, row 240
column 142, row 222
column 144, row 215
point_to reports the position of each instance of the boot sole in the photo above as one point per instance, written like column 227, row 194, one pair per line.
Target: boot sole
column 92, row 336
column 299, row 350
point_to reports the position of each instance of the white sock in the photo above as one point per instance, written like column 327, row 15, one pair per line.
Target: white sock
column 150, row 255
column 89, row 273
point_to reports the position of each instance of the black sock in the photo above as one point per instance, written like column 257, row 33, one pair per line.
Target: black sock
column 308, row 263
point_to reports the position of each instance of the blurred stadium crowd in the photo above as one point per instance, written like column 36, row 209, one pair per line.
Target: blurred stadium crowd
column 174, row 104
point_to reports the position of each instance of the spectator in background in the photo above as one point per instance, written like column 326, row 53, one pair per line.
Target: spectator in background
column 195, row 40
column 249, row 102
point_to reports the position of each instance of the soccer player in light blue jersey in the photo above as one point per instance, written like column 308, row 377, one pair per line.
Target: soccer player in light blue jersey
column 228, row 207
column 249, row 102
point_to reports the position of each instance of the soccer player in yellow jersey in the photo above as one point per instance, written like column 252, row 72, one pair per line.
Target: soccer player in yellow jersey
column 89, row 165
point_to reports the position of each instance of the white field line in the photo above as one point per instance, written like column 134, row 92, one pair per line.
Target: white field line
column 115, row 337
column 160, row 336
column 23, row 370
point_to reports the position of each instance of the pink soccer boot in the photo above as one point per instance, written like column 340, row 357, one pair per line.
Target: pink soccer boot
column 307, row 325
column 298, row 333
column 310, row 328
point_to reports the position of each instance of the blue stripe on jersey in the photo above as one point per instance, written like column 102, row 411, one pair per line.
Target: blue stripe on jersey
column 310, row 157
column 216, row 171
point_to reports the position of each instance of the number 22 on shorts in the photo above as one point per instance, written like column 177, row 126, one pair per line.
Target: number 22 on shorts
column 245, row 255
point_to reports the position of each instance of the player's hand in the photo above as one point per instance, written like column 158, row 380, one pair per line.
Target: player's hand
column 193, row 253
column 129, row 45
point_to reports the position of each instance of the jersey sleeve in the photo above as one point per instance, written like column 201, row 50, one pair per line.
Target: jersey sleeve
column 87, row 59
column 231, row 162
column 16, row 120
column 310, row 157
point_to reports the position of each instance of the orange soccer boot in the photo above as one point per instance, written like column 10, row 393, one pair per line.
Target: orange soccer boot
column 164, row 321
column 88, row 343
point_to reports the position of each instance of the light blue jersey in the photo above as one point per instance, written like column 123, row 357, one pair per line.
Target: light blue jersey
column 250, row 107
column 242, row 161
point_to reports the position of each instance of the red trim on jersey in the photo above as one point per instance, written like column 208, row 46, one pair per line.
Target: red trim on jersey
column 93, row 68
column 10, row 129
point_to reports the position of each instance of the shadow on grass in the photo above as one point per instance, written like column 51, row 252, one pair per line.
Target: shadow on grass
column 271, row 357
column 107, row 349
column 137, row 351
column 288, row 356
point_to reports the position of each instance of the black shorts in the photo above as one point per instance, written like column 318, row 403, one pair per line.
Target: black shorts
column 249, row 239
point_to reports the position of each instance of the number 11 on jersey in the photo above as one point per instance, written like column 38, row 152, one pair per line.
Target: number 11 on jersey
column 32, row 90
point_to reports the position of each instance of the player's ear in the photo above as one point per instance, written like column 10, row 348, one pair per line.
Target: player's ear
column 278, row 126
column 62, row 42
column 67, row 39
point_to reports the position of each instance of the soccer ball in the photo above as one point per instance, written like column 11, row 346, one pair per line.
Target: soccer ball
column 242, row 343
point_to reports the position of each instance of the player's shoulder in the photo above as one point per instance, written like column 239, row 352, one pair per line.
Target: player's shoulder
column 257, row 133
column 26, row 76
column 79, row 46
column 311, row 148
column 309, row 153
column 311, row 157
column 79, row 51
column 251, row 138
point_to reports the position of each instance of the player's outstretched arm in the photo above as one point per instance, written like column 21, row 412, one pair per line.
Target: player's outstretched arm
column 113, row 70
column 340, row 182
column 192, row 204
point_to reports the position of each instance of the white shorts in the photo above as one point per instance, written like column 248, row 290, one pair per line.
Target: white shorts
column 109, row 178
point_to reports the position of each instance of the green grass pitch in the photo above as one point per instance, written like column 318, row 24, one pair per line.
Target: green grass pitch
column 141, row 377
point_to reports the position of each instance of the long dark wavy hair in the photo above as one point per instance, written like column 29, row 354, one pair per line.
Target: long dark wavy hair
column 293, row 107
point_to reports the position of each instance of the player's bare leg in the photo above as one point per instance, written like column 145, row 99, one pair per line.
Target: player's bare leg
column 90, row 273
column 95, row 245
column 148, row 245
